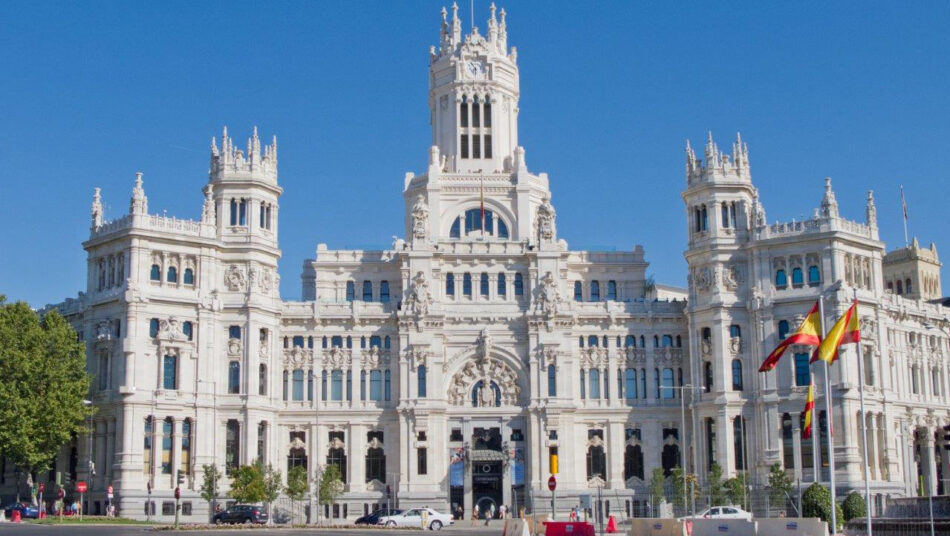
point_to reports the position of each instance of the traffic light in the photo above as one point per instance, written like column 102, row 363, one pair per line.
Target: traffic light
column 181, row 479
column 946, row 437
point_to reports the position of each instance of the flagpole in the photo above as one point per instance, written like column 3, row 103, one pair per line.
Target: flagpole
column 864, row 431
column 904, row 210
column 831, row 453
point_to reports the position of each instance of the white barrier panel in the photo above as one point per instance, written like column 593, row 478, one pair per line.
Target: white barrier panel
column 787, row 526
column 646, row 526
column 723, row 527
column 515, row 527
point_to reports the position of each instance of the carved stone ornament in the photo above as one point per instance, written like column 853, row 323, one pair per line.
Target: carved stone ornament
column 483, row 345
column 705, row 347
column 417, row 357
column 336, row 443
column 375, row 357
column 297, row 356
column 594, row 357
column 549, row 297
column 104, row 330
column 730, row 276
column 595, row 441
column 374, row 443
column 735, row 345
column 486, row 371
column 234, row 346
column 636, row 356
column 336, row 358
column 596, row 482
column 420, row 218
column 297, row 443
column 234, row 278
column 419, row 298
column 210, row 302
column 265, row 280
column 548, row 355
column 171, row 329
column 702, row 279
column 545, row 221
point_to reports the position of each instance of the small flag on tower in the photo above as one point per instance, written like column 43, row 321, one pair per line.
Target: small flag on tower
column 809, row 410
column 809, row 332
column 846, row 330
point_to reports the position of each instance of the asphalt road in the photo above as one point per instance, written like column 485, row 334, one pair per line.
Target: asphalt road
column 27, row 529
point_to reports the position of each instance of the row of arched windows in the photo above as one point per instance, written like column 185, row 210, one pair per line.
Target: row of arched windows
column 798, row 277
column 367, row 291
column 187, row 328
column 484, row 285
column 111, row 271
column 476, row 222
column 630, row 341
column 737, row 376
column 594, row 291
column 475, row 125
column 901, row 287
column 167, row 439
column 171, row 275
column 631, row 383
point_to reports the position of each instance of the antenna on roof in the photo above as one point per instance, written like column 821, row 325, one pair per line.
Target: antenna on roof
column 471, row 5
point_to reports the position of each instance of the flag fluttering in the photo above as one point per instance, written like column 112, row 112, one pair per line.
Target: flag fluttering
column 809, row 410
column 809, row 332
column 846, row 330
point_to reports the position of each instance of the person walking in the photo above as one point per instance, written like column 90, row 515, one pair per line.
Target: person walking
column 491, row 514
column 475, row 515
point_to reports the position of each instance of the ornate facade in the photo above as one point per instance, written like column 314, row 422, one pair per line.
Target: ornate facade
column 479, row 353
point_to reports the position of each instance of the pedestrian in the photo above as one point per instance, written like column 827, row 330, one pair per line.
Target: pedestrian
column 503, row 511
column 491, row 514
column 475, row 515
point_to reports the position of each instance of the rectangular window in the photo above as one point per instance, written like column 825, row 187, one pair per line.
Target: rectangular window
column 802, row 371
column 167, row 429
column 185, row 466
column 464, row 145
column 242, row 215
column 232, row 446
column 298, row 384
column 422, row 461
column 261, row 440
column 170, row 372
column 103, row 372
column 552, row 381
column 234, row 332
column 147, row 448
column 476, row 146
column 487, row 144
column 336, row 385
column 476, row 115
column 186, row 508
column 421, row 373
column 263, row 214
column 168, row 508
column 594, row 383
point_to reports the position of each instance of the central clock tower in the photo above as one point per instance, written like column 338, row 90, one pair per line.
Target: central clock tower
column 473, row 96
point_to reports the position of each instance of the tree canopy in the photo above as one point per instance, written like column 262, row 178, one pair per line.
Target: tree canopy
column 43, row 388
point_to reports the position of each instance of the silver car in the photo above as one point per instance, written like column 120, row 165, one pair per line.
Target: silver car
column 413, row 518
column 722, row 512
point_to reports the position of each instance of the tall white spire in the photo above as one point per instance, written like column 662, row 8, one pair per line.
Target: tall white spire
column 139, row 203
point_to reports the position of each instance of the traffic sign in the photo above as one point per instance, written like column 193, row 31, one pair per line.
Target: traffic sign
column 42, row 487
column 552, row 483
column 81, row 487
column 61, row 494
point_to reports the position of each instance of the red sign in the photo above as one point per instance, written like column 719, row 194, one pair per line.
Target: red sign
column 61, row 494
column 178, row 493
column 552, row 483
column 81, row 487
column 42, row 487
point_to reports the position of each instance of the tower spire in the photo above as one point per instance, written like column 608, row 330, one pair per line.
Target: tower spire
column 96, row 212
column 829, row 204
column 871, row 210
column 139, row 203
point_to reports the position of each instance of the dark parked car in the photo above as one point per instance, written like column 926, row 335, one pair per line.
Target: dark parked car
column 26, row 511
column 373, row 519
column 241, row 513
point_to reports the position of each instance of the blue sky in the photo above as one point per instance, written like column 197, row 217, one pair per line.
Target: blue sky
column 610, row 91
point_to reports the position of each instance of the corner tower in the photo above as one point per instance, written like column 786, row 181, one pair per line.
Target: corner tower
column 473, row 96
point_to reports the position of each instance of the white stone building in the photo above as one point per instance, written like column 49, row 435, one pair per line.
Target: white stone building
column 454, row 366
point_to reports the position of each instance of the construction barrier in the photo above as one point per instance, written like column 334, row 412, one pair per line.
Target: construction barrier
column 568, row 528
column 721, row 527
column 647, row 526
column 515, row 527
column 804, row 526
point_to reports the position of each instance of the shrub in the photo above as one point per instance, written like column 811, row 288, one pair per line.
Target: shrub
column 816, row 502
column 854, row 506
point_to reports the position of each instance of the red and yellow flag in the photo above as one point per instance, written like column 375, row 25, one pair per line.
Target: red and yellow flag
column 809, row 332
column 846, row 330
column 809, row 410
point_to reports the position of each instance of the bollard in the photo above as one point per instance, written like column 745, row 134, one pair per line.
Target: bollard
column 15, row 516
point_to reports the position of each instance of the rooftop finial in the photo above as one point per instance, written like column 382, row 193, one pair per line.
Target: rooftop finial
column 871, row 210
column 829, row 205
column 139, row 203
column 96, row 209
column 207, row 211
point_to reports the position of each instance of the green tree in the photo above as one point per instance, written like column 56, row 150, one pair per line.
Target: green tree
column 43, row 388
column 272, row 486
column 816, row 502
column 330, row 484
column 210, row 488
column 296, row 485
column 735, row 489
column 657, row 482
column 679, row 498
column 780, row 485
column 714, row 485
column 854, row 506
column 247, row 484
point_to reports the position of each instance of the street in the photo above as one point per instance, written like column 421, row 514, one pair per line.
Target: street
column 121, row 530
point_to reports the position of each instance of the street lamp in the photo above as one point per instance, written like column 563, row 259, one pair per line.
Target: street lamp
column 682, row 389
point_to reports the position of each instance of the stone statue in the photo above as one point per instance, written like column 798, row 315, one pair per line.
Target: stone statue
column 484, row 344
column 485, row 395
column 420, row 218
column 549, row 297
column 419, row 298
column 545, row 220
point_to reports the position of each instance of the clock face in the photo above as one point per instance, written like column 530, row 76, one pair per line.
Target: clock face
column 474, row 68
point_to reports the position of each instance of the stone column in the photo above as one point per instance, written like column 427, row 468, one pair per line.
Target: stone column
column 873, row 458
column 357, row 456
column 930, row 463
column 467, row 489
column 176, row 450
column 109, row 458
column 615, row 455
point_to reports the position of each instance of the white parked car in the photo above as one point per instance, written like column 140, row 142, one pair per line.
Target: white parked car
column 413, row 518
column 722, row 512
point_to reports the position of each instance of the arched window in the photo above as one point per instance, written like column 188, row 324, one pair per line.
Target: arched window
column 187, row 330
column 153, row 328
column 668, row 392
column 814, row 276
column 386, row 342
column 596, row 461
column 336, row 341
column 592, row 341
column 172, row 274
column 384, row 291
column 630, row 377
column 483, row 286
column 738, row 442
column 736, row 375
column 421, row 381
column 367, row 291
column 298, row 341
column 630, row 341
column 233, row 212
column 455, row 230
column 725, row 215
column 502, row 285
column 667, row 341
column 594, row 389
column 797, row 277
column 495, row 393
column 450, row 285
column 502, row 228
column 467, row 284
column 552, row 380
column 781, row 280
column 189, row 278
column 782, row 329
column 170, row 372
column 594, row 291
column 612, row 290
column 704, row 217
column 375, row 341
column 578, row 291
column 262, row 379
column 234, row 377
column 350, row 291
column 908, row 286
column 707, row 376
column 519, row 285
column 463, row 112
column 168, row 427
column 735, row 331
column 900, row 286
column 656, row 341
column 156, row 273
column 242, row 212
column 633, row 462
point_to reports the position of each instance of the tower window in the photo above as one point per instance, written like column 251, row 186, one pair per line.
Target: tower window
column 450, row 285
column 172, row 274
column 350, row 291
column 487, row 108
column 519, row 285
column 242, row 212
column 814, row 276
column 487, row 145
column 463, row 113
column 367, row 291
column 612, row 290
column 578, row 291
column 797, row 277
column 156, row 273
column 189, row 278
column 483, row 286
column 384, row 291
column 476, row 144
column 502, row 286
column 781, row 280
column 594, row 291
column 467, row 284
column 233, row 212
column 464, row 145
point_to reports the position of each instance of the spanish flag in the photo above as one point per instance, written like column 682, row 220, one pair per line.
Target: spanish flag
column 809, row 410
column 809, row 332
column 845, row 331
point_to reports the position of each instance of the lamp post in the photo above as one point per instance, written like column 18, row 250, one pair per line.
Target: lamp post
column 90, row 465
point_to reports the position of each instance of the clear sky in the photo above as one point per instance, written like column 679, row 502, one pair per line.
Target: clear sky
column 92, row 92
